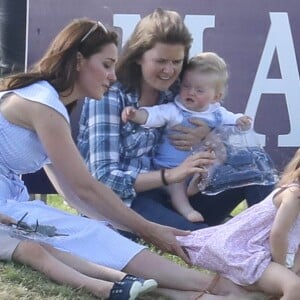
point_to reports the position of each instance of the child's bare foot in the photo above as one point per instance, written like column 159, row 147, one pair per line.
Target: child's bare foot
column 189, row 212
column 194, row 216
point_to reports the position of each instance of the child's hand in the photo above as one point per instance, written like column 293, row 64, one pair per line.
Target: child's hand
column 244, row 122
column 128, row 113
column 4, row 219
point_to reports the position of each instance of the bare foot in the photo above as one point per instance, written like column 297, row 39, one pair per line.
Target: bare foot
column 194, row 216
column 186, row 210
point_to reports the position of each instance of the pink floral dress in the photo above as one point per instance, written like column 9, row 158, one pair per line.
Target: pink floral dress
column 240, row 248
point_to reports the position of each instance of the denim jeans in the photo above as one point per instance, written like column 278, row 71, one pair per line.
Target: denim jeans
column 155, row 206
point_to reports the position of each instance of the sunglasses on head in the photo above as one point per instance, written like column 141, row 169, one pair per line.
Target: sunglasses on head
column 93, row 28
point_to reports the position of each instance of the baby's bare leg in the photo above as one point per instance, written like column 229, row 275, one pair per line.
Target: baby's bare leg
column 181, row 202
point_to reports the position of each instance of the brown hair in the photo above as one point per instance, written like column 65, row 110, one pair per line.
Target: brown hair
column 161, row 26
column 291, row 172
column 212, row 64
column 58, row 64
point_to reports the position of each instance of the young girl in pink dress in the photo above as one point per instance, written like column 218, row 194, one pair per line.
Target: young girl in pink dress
column 259, row 248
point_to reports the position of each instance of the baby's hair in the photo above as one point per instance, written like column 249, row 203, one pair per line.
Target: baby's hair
column 291, row 172
column 212, row 64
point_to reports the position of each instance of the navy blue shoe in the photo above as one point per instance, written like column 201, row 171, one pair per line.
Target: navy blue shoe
column 125, row 290
column 147, row 285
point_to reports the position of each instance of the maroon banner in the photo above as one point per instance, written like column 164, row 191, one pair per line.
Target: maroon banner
column 258, row 39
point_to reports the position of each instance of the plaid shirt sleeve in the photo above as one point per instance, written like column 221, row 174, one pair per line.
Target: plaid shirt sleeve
column 98, row 142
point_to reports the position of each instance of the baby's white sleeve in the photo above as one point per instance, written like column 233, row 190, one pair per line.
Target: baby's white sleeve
column 161, row 115
column 229, row 117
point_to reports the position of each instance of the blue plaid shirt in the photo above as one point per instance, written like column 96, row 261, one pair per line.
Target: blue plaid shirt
column 114, row 152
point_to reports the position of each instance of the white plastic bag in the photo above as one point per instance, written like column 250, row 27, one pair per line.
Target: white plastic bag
column 241, row 161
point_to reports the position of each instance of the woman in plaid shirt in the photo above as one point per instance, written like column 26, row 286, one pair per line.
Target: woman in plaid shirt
column 120, row 155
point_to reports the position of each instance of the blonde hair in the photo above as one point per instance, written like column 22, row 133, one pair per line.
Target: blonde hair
column 161, row 26
column 212, row 64
column 291, row 172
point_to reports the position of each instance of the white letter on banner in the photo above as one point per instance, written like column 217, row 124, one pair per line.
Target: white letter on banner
column 127, row 22
column 279, row 39
column 196, row 25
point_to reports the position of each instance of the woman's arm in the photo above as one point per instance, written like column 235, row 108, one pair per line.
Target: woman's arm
column 55, row 135
column 191, row 165
column 68, row 194
column 288, row 203
column 56, row 138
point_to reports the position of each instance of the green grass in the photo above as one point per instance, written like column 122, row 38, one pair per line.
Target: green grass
column 242, row 206
column 18, row 282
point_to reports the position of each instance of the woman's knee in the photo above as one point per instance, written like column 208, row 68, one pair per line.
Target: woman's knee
column 27, row 251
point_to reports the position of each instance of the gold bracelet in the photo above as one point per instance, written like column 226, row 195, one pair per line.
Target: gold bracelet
column 163, row 177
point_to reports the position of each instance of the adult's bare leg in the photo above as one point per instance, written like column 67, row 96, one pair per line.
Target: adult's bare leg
column 174, row 279
column 37, row 257
column 85, row 267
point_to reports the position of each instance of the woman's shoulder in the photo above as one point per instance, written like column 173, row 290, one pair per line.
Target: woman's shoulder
column 43, row 92
column 37, row 89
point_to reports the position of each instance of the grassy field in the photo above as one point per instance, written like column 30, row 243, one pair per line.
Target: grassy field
column 20, row 282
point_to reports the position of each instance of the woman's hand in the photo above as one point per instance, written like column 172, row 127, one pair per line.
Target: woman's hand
column 164, row 237
column 4, row 219
column 194, row 163
column 188, row 137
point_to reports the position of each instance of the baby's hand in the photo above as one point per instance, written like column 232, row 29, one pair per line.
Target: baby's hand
column 244, row 122
column 128, row 113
